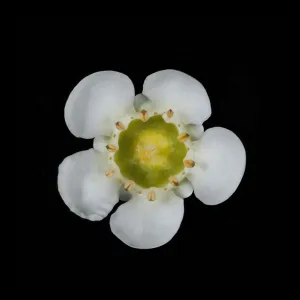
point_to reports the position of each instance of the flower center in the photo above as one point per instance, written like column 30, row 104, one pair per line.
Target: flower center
column 150, row 152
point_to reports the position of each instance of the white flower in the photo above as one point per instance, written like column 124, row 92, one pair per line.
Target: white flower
column 150, row 149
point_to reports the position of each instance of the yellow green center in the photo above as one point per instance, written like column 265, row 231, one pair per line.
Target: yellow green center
column 149, row 152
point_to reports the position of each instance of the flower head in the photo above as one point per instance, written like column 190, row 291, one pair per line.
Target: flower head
column 149, row 150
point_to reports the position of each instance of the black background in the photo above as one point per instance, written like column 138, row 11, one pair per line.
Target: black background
column 242, row 62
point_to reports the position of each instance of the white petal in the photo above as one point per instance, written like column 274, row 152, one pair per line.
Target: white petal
column 100, row 143
column 84, row 187
column 220, row 164
column 145, row 224
column 171, row 89
column 142, row 102
column 96, row 102
column 184, row 190
column 195, row 131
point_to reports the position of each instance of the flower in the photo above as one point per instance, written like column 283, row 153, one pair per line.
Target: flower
column 149, row 150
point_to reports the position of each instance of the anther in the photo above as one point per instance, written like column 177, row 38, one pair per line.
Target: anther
column 129, row 185
column 109, row 173
column 189, row 163
column 173, row 180
column 183, row 137
column 111, row 148
column 151, row 196
column 144, row 115
column 120, row 126
column 170, row 113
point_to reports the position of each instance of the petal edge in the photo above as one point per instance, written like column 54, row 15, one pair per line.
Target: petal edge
column 86, row 191
column 96, row 101
column 172, row 89
column 144, row 224
column 220, row 165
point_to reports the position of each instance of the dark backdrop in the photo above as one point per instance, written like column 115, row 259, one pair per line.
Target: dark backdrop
column 242, row 62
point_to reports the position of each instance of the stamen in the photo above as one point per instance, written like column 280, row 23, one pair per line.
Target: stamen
column 129, row 185
column 189, row 163
column 111, row 148
column 109, row 173
column 183, row 137
column 170, row 113
column 151, row 196
column 144, row 115
column 120, row 126
column 173, row 180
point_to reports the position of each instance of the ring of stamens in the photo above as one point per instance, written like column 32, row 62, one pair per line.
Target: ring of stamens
column 150, row 152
